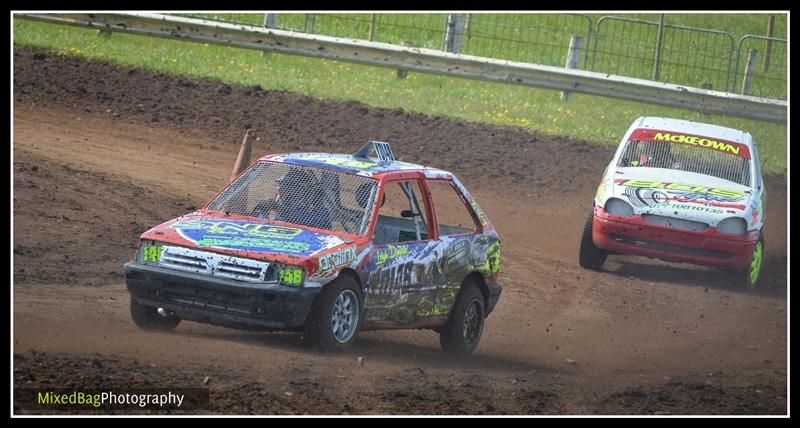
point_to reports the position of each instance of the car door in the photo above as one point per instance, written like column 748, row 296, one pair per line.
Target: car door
column 459, row 245
column 399, row 281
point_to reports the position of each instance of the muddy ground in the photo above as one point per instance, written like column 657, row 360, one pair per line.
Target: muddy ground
column 101, row 153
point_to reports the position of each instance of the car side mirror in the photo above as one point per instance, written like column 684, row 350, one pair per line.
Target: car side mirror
column 408, row 214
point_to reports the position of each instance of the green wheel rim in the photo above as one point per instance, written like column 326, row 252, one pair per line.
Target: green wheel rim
column 755, row 264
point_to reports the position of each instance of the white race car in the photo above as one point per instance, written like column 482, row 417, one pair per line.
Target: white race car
column 680, row 191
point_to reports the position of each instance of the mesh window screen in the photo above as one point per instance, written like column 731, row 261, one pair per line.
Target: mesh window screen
column 305, row 196
column 682, row 157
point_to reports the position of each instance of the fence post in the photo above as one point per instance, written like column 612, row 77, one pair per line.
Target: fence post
column 269, row 20
column 748, row 71
column 310, row 19
column 768, row 49
column 659, row 48
column 372, row 23
column 573, row 56
column 401, row 73
column 453, row 33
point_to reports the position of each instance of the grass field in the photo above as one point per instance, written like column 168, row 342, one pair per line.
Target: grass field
column 594, row 119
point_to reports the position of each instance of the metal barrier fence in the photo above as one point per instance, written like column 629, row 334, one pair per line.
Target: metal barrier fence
column 538, row 39
column 565, row 79
column 696, row 57
column 684, row 55
column 768, row 67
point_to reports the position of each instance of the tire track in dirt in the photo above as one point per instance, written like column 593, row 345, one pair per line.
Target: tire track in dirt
column 628, row 327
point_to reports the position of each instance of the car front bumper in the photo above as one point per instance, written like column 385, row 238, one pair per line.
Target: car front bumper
column 632, row 235
column 219, row 301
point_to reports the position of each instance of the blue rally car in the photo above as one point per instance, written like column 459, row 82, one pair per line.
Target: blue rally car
column 329, row 244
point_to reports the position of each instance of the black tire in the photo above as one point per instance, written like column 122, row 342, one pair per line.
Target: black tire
column 590, row 256
column 148, row 318
column 749, row 277
column 322, row 332
column 462, row 333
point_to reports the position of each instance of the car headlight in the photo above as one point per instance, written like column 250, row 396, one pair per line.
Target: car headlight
column 619, row 207
column 734, row 225
column 290, row 275
column 149, row 252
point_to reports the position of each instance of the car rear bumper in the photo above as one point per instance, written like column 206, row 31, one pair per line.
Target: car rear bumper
column 632, row 235
column 219, row 301
column 494, row 296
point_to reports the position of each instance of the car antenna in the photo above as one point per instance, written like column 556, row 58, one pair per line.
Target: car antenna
column 381, row 148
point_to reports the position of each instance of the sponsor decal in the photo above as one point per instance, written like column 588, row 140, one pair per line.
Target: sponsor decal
column 688, row 192
column 250, row 236
column 254, row 230
column 390, row 253
column 479, row 212
column 290, row 275
column 649, row 193
column 710, row 210
column 152, row 253
column 723, row 146
column 337, row 259
column 455, row 251
column 645, row 197
column 250, row 243
column 348, row 163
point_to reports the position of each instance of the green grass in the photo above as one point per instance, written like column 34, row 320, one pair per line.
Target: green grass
column 622, row 46
column 595, row 119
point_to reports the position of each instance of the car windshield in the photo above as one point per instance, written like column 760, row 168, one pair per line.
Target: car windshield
column 300, row 195
column 681, row 156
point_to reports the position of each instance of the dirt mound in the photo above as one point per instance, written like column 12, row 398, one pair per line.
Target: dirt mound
column 481, row 154
column 72, row 225
column 694, row 397
column 410, row 391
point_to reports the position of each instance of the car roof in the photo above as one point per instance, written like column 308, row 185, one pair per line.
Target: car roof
column 366, row 166
column 695, row 128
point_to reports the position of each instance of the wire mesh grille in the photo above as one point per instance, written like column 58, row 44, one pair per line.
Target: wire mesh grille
column 770, row 74
column 682, row 157
column 535, row 38
column 304, row 196
column 691, row 56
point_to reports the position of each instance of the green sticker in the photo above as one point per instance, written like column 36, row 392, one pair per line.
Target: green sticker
column 152, row 253
column 288, row 246
column 291, row 275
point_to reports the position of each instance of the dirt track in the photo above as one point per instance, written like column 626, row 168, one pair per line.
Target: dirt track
column 102, row 153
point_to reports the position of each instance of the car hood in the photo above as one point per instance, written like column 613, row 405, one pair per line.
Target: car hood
column 245, row 236
column 679, row 194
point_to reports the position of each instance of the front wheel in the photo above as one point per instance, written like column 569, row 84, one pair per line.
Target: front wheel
column 590, row 256
column 461, row 334
column 148, row 318
column 748, row 278
column 335, row 316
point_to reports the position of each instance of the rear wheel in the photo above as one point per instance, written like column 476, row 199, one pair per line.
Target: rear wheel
column 748, row 278
column 335, row 316
column 461, row 334
column 590, row 256
column 148, row 318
